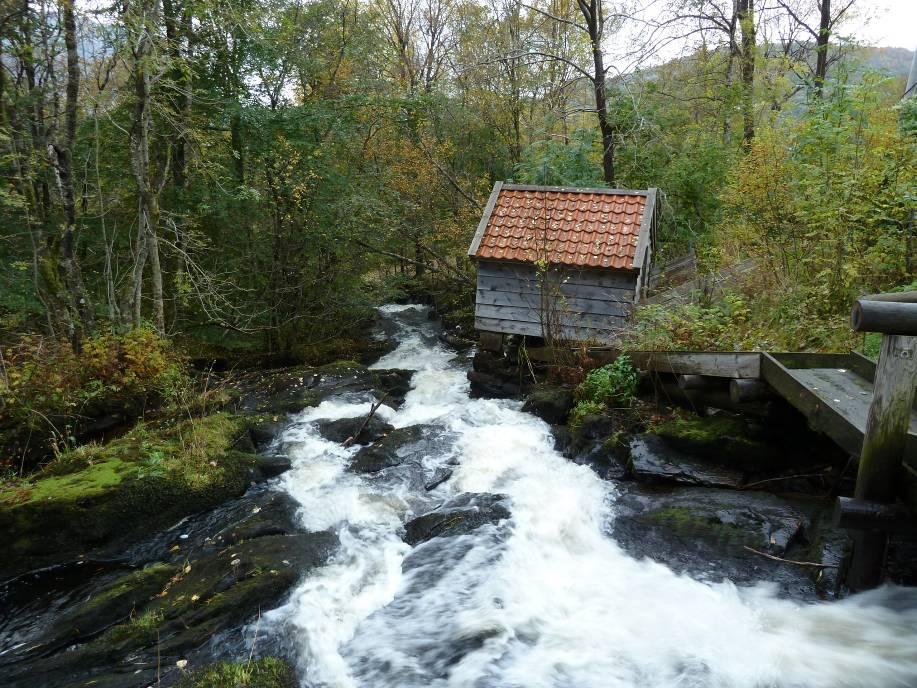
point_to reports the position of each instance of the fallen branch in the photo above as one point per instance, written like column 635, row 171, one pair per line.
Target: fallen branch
column 823, row 474
column 792, row 561
column 372, row 412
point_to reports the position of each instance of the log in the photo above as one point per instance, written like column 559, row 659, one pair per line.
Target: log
column 744, row 390
column 888, row 317
column 859, row 514
column 701, row 382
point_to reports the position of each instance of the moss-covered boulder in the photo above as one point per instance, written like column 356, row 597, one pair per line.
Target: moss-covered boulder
column 97, row 498
column 551, row 404
column 267, row 672
column 727, row 440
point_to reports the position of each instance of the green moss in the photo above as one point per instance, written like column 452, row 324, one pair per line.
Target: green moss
column 701, row 430
column 269, row 672
column 689, row 523
column 139, row 482
column 137, row 584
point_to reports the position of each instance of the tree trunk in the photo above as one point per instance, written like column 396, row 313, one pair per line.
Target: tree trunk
column 147, row 188
column 81, row 318
column 821, row 50
column 746, row 16
column 595, row 23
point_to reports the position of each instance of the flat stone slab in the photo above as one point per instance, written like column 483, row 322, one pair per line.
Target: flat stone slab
column 653, row 460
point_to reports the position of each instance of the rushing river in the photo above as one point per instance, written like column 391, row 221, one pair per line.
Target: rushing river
column 547, row 599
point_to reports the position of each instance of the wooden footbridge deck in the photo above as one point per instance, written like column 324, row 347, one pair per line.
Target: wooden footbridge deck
column 834, row 391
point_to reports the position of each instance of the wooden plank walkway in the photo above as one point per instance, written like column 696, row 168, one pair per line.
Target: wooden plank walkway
column 834, row 391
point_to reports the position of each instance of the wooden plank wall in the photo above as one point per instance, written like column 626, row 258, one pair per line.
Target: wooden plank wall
column 589, row 304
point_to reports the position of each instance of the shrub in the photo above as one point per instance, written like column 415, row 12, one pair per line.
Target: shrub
column 612, row 385
column 583, row 409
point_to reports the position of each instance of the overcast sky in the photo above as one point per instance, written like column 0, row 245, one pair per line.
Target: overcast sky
column 893, row 23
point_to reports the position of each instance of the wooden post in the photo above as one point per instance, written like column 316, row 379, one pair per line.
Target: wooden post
column 886, row 430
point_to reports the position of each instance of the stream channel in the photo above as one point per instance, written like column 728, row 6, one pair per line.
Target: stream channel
column 465, row 552
column 545, row 598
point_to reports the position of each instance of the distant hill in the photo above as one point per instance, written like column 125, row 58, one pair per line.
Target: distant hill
column 894, row 61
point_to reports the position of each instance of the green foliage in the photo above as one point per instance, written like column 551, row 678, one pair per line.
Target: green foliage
column 42, row 377
column 554, row 162
column 582, row 409
column 613, row 385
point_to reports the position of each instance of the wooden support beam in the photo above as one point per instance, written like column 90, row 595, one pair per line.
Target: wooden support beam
column 857, row 514
column 883, row 450
column 701, row 382
column 744, row 390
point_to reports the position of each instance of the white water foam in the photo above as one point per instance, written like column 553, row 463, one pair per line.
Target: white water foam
column 550, row 602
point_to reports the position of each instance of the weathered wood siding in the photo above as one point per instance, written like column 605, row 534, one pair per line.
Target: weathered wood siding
column 586, row 304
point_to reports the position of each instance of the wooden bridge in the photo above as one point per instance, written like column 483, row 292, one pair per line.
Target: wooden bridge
column 866, row 408
column 834, row 391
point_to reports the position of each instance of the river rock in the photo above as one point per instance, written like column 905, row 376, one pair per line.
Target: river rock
column 389, row 451
column 440, row 475
column 724, row 439
column 342, row 429
column 494, row 376
column 706, row 532
column 205, row 597
column 654, row 460
column 551, row 404
column 273, row 465
column 458, row 516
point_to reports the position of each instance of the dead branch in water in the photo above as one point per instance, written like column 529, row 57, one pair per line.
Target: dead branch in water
column 372, row 412
column 792, row 561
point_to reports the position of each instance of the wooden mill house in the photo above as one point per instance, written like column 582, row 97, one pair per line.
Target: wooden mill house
column 562, row 263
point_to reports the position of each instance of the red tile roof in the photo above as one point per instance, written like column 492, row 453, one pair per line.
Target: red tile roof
column 581, row 227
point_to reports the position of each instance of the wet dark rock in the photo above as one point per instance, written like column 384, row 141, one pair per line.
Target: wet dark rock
column 551, row 404
column 389, row 451
column 274, row 465
column 707, row 533
column 654, row 460
column 108, row 606
column 344, row 428
column 495, row 376
column 562, row 438
column 264, row 431
column 204, row 597
column 292, row 389
column 458, row 516
column 592, row 430
column 727, row 440
column 456, row 342
column 440, row 475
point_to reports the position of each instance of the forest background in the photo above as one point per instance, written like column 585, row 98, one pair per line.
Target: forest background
column 184, row 177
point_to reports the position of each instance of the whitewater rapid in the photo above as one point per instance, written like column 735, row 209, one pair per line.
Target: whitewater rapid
column 547, row 599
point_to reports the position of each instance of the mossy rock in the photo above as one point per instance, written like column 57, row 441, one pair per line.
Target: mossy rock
column 112, row 604
column 268, row 672
column 725, row 439
column 551, row 404
column 219, row 591
column 129, row 488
